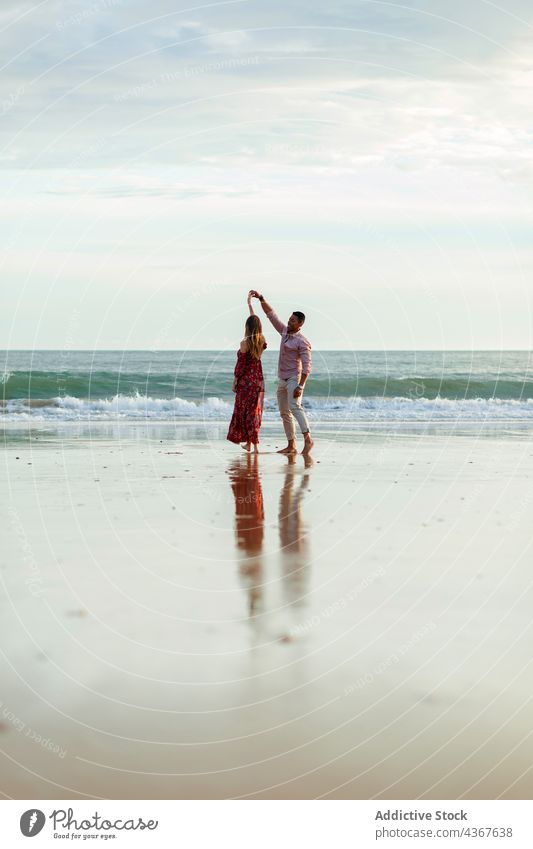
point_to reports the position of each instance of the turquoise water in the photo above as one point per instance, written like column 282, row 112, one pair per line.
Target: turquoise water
column 358, row 386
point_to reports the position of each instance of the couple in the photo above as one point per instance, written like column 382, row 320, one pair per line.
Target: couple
column 294, row 367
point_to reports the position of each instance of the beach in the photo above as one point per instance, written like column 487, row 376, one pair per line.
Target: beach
column 228, row 220
column 181, row 620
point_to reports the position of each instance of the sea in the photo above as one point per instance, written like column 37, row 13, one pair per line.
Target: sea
column 345, row 386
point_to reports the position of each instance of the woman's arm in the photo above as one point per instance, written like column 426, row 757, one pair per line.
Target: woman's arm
column 239, row 366
column 250, row 307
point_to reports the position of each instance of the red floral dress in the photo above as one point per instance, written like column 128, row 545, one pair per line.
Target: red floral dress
column 248, row 411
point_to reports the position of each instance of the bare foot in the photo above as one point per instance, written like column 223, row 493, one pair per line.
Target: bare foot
column 290, row 449
column 256, row 449
column 246, row 447
column 308, row 446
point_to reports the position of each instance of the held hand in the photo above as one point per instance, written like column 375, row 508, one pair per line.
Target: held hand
column 297, row 392
column 253, row 293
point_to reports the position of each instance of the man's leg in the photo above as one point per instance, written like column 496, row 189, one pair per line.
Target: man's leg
column 295, row 406
column 287, row 418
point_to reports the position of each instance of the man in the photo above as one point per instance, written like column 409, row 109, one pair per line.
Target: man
column 294, row 367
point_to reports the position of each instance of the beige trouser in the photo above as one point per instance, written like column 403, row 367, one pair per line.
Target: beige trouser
column 290, row 408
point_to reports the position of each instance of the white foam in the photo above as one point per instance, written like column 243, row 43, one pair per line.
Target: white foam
column 140, row 407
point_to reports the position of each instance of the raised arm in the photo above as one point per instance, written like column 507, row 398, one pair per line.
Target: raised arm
column 250, row 305
column 253, row 293
column 269, row 312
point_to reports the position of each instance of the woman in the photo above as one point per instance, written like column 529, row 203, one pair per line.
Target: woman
column 248, row 385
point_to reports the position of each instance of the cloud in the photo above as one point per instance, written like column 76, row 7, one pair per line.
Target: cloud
column 102, row 184
column 353, row 83
column 281, row 121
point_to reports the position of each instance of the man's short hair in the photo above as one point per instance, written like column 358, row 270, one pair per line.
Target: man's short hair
column 299, row 315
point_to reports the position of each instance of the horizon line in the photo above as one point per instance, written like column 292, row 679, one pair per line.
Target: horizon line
column 229, row 350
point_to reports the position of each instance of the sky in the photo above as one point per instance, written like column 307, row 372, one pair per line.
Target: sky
column 367, row 162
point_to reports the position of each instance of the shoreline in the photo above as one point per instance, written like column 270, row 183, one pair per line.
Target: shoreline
column 208, row 429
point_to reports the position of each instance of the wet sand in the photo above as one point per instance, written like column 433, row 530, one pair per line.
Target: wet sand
column 182, row 621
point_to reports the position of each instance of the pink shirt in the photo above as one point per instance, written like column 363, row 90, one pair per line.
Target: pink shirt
column 294, row 352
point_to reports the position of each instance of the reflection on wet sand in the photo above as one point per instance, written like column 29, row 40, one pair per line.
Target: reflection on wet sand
column 293, row 534
column 244, row 474
column 249, row 525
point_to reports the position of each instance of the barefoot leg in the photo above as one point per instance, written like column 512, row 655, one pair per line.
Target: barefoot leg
column 290, row 449
column 308, row 443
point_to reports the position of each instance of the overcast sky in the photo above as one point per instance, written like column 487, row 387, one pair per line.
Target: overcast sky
column 367, row 162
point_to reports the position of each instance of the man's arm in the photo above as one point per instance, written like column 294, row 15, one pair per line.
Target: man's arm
column 269, row 312
column 300, row 388
column 305, row 356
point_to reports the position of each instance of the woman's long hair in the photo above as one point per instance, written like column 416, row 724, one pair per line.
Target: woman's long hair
column 253, row 333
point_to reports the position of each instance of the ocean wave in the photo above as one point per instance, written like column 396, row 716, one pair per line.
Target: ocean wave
column 145, row 408
column 69, row 408
column 189, row 383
